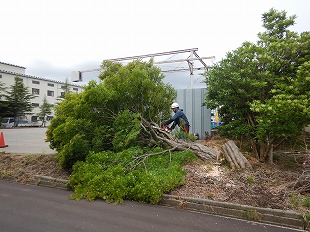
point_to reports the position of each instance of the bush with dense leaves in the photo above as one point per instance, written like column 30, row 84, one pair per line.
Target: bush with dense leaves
column 130, row 174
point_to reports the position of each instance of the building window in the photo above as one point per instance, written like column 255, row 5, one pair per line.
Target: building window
column 35, row 104
column 36, row 82
column 50, row 93
column 62, row 94
column 75, row 89
column 50, row 84
column 35, row 91
column 34, row 118
column 48, row 118
column 0, row 76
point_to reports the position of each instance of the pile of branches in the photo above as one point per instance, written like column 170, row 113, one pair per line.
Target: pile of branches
column 302, row 184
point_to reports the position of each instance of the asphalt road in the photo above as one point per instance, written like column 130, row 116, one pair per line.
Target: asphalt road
column 32, row 208
column 26, row 141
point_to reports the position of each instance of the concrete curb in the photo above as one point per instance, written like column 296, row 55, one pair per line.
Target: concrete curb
column 284, row 218
column 50, row 182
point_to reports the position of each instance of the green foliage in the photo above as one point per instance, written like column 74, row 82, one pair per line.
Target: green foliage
column 45, row 110
column 262, row 90
column 115, row 177
column 77, row 147
column 306, row 202
column 66, row 88
column 185, row 136
column 3, row 104
column 295, row 201
column 306, row 218
column 127, row 127
column 18, row 99
column 106, row 116
column 250, row 180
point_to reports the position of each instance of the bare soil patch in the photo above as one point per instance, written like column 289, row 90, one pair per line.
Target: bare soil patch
column 266, row 185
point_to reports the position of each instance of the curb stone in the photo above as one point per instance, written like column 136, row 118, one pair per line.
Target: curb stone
column 286, row 218
column 47, row 181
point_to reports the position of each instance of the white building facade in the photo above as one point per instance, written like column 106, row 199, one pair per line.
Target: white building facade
column 39, row 87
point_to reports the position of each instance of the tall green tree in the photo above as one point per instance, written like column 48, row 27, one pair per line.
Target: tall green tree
column 1, row 89
column 45, row 110
column 3, row 104
column 18, row 98
column 105, row 116
column 66, row 88
column 262, row 89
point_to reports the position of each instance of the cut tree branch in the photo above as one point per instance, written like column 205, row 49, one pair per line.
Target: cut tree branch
column 157, row 134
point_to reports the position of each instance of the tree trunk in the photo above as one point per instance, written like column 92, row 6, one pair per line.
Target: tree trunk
column 263, row 151
column 270, row 155
column 234, row 157
column 154, row 133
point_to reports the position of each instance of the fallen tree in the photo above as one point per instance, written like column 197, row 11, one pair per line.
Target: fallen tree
column 153, row 133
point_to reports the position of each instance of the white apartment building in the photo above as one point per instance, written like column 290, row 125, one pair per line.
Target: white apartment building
column 38, row 86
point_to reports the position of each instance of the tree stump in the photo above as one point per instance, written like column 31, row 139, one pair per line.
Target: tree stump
column 234, row 157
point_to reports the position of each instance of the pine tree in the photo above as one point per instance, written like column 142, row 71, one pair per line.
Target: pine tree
column 18, row 98
column 45, row 109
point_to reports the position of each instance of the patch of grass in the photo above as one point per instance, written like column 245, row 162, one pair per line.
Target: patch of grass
column 250, row 180
column 277, row 181
column 306, row 218
column 253, row 216
column 306, row 202
column 295, row 201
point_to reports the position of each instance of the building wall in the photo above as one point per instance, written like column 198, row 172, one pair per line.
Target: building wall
column 199, row 116
column 39, row 87
column 12, row 68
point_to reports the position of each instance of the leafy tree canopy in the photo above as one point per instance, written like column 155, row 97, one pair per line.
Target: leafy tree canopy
column 262, row 89
column 105, row 115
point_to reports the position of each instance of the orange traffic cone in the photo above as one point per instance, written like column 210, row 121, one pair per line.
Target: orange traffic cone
column 2, row 144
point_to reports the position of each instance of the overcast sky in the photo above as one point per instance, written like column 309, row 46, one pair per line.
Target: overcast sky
column 53, row 38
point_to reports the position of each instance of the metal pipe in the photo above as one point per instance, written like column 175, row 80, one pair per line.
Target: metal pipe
column 154, row 54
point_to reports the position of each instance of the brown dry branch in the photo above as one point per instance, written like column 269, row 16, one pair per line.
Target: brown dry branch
column 154, row 133
column 302, row 184
column 140, row 159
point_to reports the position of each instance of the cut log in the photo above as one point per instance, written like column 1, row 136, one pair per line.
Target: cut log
column 203, row 152
column 234, row 157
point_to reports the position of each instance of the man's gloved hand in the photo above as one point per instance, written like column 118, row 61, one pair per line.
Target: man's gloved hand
column 166, row 128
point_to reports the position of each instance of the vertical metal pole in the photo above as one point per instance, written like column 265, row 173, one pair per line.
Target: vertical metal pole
column 191, row 69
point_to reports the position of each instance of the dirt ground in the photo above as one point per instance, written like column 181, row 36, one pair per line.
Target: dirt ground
column 265, row 185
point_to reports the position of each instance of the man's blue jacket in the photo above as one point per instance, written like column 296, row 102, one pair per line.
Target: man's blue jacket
column 176, row 119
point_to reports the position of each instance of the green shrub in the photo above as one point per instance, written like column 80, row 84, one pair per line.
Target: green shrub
column 129, row 174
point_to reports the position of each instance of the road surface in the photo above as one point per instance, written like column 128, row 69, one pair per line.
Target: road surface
column 29, row 140
column 27, row 208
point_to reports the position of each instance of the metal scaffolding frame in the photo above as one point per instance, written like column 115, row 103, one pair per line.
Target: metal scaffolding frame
column 76, row 76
